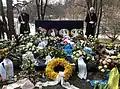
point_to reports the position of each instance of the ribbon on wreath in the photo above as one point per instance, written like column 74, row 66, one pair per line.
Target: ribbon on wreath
column 82, row 68
column 59, row 78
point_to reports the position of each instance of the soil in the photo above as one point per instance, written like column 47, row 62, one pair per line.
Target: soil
column 80, row 83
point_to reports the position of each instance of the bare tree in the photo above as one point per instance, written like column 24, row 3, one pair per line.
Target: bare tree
column 38, row 8
column 111, row 19
column 3, row 17
column 99, row 15
column 10, row 18
column 42, row 5
column 75, row 9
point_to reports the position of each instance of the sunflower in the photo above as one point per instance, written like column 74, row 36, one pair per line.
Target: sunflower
column 51, row 74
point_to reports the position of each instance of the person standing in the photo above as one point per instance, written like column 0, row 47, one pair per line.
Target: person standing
column 24, row 22
column 91, row 20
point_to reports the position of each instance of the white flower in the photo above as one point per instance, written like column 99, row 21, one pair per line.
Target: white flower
column 74, row 52
column 80, row 53
column 104, row 62
column 100, row 67
column 29, row 44
column 105, row 66
column 75, row 58
column 33, row 47
column 47, row 37
column 88, row 58
column 109, row 60
column 93, row 58
column 100, row 60
column 77, row 54
column 102, row 70
column 96, row 82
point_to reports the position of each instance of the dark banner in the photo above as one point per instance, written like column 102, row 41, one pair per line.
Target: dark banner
column 59, row 24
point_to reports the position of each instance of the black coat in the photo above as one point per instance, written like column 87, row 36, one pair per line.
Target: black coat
column 90, row 28
column 2, row 30
column 24, row 27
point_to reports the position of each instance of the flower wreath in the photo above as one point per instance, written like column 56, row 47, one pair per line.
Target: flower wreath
column 42, row 30
column 64, row 32
column 73, row 32
column 51, row 74
column 55, row 30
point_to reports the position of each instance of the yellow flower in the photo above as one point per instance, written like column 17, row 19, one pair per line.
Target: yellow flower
column 51, row 74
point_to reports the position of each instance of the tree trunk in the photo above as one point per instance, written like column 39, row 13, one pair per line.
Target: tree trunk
column 43, row 9
column 10, row 18
column 99, row 20
column 42, row 15
column 45, row 6
column 38, row 8
column 3, row 17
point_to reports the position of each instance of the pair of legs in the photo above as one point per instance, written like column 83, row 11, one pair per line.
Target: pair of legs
column 2, row 35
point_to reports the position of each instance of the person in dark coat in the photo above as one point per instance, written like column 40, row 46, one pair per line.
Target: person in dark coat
column 91, row 20
column 24, row 22
column 1, row 29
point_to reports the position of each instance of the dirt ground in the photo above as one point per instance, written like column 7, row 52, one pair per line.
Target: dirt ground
column 76, row 81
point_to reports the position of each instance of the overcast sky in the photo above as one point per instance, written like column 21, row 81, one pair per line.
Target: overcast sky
column 51, row 1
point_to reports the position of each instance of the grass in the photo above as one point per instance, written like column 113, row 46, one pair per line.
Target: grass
column 107, row 40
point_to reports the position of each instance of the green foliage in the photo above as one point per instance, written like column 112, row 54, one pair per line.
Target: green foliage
column 102, row 86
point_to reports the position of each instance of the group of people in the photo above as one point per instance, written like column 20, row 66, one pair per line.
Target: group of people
column 23, row 18
column 91, row 20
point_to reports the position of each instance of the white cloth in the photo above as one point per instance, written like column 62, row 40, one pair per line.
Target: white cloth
column 110, row 51
column 48, row 58
column 53, row 33
column 24, row 84
column 8, row 64
column 42, row 44
column 76, row 33
column 82, row 68
column 65, row 32
column 91, row 22
column 58, row 79
column 2, row 71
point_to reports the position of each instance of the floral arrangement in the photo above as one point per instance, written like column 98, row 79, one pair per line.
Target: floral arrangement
column 53, row 32
column 74, row 32
column 77, row 54
column 42, row 31
column 64, row 32
column 101, row 86
column 51, row 74
column 3, row 52
column 25, row 43
column 1, row 82
column 106, row 64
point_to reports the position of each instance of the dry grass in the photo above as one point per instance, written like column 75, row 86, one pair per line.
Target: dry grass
column 107, row 40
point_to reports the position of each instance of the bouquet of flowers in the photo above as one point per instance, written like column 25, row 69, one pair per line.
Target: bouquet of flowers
column 106, row 64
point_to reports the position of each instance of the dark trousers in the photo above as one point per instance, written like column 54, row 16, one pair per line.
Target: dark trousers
column 2, row 35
